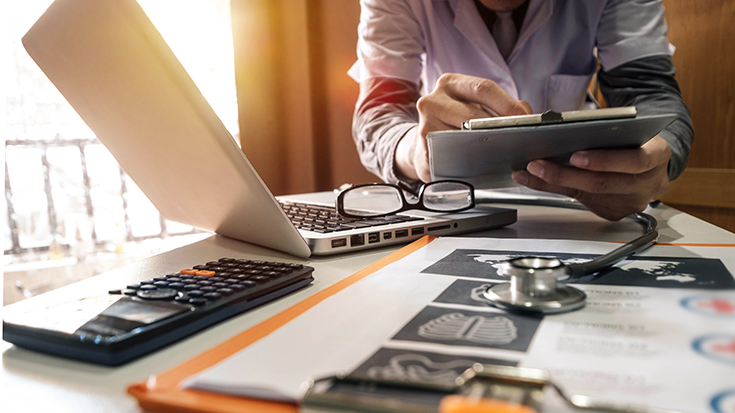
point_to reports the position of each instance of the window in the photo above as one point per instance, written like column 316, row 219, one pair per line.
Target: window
column 67, row 202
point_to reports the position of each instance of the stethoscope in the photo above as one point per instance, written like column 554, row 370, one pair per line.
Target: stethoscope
column 535, row 282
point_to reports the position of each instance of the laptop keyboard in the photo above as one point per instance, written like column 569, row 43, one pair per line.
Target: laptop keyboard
column 325, row 219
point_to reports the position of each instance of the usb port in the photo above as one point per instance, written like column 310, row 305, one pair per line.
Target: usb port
column 357, row 240
column 417, row 231
column 339, row 242
column 401, row 233
column 387, row 235
column 373, row 237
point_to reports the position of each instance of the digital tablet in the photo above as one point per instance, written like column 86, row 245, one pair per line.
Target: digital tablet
column 487, row 151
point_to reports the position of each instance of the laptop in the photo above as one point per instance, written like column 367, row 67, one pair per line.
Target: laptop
column 115, row 69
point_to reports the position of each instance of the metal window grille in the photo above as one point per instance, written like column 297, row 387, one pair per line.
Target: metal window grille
column 15, row 246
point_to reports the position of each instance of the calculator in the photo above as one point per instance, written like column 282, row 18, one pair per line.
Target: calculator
column 123, row 324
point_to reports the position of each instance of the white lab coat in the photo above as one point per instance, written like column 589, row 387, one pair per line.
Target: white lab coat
column 550, row 66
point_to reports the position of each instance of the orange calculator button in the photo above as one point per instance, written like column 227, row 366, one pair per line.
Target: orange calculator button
column 205, row 273
column 188, row 271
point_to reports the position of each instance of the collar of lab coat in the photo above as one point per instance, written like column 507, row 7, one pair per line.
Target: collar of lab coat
column 468, row 21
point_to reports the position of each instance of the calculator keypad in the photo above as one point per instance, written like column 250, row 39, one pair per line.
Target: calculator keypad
column 215, row 281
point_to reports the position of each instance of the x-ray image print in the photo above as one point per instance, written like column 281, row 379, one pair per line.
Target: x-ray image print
column 470, row 328
column 661, row 272
column 413, row 365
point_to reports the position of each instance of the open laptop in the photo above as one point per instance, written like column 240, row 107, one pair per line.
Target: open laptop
column 115, row 69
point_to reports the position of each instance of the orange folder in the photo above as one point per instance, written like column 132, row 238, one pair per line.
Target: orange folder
column 163, row 394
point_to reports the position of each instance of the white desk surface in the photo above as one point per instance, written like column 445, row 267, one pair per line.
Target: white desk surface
column 33, row 382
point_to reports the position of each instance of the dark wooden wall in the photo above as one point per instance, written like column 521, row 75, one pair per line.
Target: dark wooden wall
column 294, row 96
column 704, row 34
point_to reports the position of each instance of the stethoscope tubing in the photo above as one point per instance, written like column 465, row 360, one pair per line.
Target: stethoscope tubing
column 603, row 262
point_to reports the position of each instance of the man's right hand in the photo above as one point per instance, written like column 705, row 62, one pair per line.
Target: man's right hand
column 455, row 99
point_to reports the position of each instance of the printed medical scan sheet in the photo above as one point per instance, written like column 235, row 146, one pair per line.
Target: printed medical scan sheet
column 657, row 330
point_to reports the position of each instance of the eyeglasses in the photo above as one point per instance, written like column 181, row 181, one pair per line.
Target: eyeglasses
column 377, row 200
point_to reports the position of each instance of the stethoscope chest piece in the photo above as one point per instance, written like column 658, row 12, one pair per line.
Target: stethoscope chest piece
column 534, row 287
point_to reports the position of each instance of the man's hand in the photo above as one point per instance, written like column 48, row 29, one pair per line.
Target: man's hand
column 611, row 183
column 455, row 99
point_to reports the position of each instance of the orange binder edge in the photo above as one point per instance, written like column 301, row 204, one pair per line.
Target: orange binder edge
column 162, row 393
column 692, row 244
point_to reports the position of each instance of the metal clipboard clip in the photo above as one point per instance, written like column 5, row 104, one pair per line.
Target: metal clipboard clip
column 549, row 117
column 483, row 388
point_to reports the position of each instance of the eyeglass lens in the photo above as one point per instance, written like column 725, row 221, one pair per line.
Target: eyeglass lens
column 372, row 200
column 447, row 196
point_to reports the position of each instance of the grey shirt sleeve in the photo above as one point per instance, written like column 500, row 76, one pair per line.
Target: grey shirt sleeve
column 650, row 86
column 385, row 111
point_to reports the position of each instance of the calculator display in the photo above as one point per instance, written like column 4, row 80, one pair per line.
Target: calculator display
column 120, row 313
column 128, row 314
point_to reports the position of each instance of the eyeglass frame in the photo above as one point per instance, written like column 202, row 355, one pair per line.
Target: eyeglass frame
column 406, row 206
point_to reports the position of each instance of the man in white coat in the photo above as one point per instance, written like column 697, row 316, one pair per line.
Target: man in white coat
column 428, row 65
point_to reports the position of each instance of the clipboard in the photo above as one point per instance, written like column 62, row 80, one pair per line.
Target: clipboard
column 487, row 151
column 162, row 393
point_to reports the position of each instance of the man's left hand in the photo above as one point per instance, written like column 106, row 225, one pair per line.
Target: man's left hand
column 611, row 183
